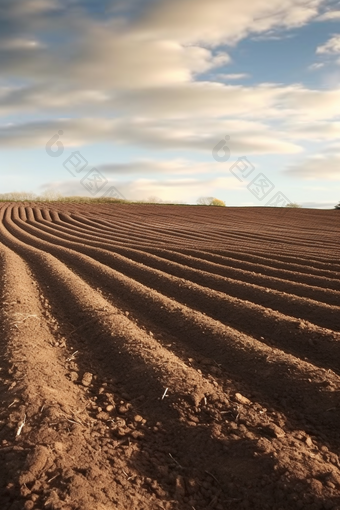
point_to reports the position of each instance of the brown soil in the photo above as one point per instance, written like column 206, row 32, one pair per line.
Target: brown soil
column 168, row 357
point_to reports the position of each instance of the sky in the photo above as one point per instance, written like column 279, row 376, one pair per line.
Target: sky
column 172, row 99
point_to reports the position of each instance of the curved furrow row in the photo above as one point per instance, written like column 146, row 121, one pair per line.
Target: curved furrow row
column 257, row 263
column 301, row 266
column 98, row 224
column 318, row 313
column 315, row 281
column 238, row 349
column 297, row 289
column 194, row 240
column 239, row 224
column 280, row 231
column 278, row 254
column 297, row 337
column 45, row 395
column 135, row 353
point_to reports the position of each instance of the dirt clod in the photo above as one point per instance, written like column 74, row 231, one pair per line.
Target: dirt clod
column 87, row 379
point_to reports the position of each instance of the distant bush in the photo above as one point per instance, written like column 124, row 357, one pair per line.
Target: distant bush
column 51, row 196
column 205, row 200
column 18, row 196
column 337, row 206
column 55, row 197
column 154, row 200
column 293, row 205
column 210, row 201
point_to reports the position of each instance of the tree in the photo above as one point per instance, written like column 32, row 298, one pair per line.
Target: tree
column 218, row 202
column 337, row 206
column 210, row 201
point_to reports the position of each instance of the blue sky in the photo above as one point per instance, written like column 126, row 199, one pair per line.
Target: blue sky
column 144, row 90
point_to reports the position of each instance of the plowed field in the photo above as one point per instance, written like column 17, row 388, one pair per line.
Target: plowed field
column 169, row 357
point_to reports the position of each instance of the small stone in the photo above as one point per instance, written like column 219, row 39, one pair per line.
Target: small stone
column 25, row 491
column 138, row 418
column 273, row 430
column 87, row 379
column 334, row 459
column 308, row 441
column 123, row 409
column 335, row 478
column 103, row 416
column 316, row 486
column 59, row 447
column 73, row 376
column 241, row 399
column 136, row 434
column 109, row 408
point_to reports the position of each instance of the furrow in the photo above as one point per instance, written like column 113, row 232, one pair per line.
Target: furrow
column 315, row 312
column 229, row 258
column 308, row 291
column 240, row 355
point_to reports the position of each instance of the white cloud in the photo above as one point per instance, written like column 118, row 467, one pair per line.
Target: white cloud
column 36, row 6
column 106, row 59
column 203, row 135
column 209, row 99
column 192, row 100
column 332, row 46
column 317, row 131
column 19, row 43
column 324, row 166
column 131, row 59
column 201, row 99
column 168, row 189
column 232, row 76
column 316, row 65
column 273, row 35
column 329, row 16
column 310, row 104
column 217, row 21
column 148, row 166
column 168, row 43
